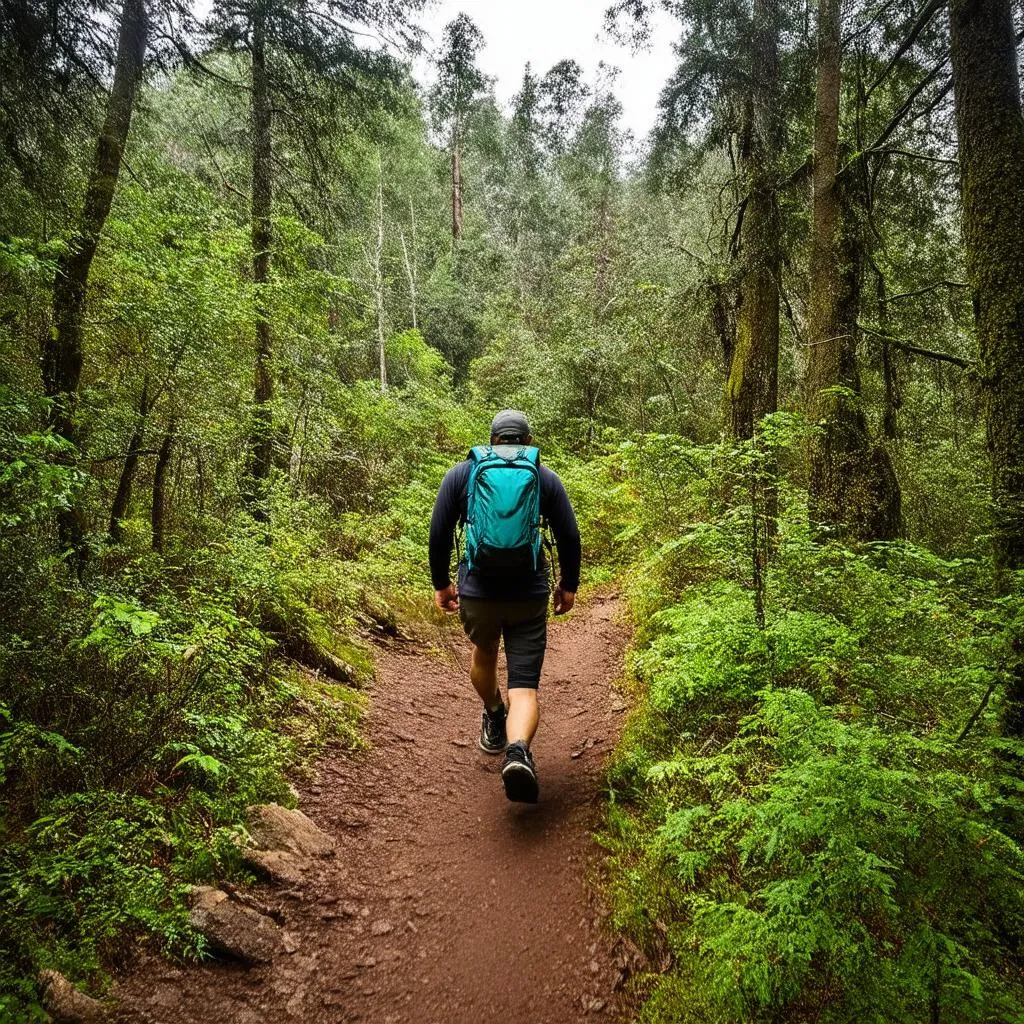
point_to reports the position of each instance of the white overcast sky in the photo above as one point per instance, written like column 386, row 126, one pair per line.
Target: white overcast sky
column 543, row 32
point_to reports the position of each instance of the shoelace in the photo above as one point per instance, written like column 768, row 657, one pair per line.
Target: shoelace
column 517, row 753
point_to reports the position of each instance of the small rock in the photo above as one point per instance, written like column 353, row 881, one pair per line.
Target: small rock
column 65, row 1003
column 460, row 743
column 231, row 929
column 273, row 827
column 366, row 962
column 381, row 927
column 594, row 967
column 165, row 996
column 278, row 866
column 294, row 1007
column 290, row 942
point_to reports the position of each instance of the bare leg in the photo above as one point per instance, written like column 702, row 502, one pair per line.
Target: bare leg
column 483, row 674
column 523, row 714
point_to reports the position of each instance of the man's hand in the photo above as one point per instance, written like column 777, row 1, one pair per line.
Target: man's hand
column 564, row 600
column 448, row 599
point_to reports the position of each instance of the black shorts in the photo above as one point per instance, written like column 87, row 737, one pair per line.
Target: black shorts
column 523, row 624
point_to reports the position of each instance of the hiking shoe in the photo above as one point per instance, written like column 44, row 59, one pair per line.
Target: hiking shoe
column 492, row 731
column 519, row 775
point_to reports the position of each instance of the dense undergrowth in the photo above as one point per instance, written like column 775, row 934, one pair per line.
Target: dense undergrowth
column 810, row 820
column 144, row 706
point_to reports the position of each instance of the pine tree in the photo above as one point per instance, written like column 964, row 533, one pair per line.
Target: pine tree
column 460, row 83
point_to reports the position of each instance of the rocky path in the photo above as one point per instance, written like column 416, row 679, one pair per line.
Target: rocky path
column 445, row 904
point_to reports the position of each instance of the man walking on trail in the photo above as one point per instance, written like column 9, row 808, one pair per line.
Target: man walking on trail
column 503, row 495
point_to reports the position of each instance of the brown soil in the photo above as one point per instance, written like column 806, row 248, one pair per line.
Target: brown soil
column 446, row 904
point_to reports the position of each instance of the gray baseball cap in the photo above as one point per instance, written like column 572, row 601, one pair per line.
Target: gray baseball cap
column 510, row 423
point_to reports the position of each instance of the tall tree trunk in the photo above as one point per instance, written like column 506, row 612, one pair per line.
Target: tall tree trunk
column 410, row 260
column 62, row 349
column 123, row 496
column 723, row 317
column 602, row 257
column 263, row 392
column 990, row 131
column 456, row 184
column 893, row 401
column 378, row 277
column 752, row 388
column 853, row 488
column 163, row 461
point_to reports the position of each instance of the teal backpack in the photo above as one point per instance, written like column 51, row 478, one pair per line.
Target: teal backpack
column 503, row 527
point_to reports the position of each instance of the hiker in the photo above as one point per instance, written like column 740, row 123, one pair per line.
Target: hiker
column 502, row 495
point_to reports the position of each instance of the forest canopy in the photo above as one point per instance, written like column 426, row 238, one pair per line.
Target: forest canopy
column 260, row 287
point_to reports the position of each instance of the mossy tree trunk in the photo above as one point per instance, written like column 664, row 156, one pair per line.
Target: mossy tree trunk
column 62, row 351
column 990, row 131
column 853, row 488
column 456, row 182
column 262, row 155
column 752, row 387
column 158, row 512
column 126, row 481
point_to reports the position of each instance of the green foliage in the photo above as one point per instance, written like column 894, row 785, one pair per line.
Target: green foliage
column 797, row 831
column 797, row 826
column 143, row 709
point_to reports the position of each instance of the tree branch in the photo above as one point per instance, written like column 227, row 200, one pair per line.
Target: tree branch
column 904, row 109
column 920, row 156
column 928, row 288
column 916, row 350
column 928, row 12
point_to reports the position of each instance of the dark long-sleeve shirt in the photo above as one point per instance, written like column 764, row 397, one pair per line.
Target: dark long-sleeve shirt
column 555, row 508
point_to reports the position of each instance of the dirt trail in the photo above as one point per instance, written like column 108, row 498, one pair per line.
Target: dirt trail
column 446, row 904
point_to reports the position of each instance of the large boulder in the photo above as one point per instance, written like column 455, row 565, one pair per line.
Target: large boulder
column 283, row 844
column 65, row 1004
column 231, row 929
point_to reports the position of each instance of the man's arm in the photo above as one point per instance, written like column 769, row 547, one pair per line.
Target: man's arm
column 567, row 539
column 445, row 517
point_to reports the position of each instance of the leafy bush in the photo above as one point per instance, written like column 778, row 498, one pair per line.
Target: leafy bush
column 799, row 829
column 146, row 705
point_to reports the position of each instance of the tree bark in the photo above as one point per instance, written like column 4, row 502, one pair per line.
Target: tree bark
column 263, row 393
column 853, row 488
column 62, row 353
column 456, row 185
column 990, row 132
column 163, row 461
column 752, row 387
column 123, row 495
column 723, row 319
column 410, row 261
column 378, row 278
